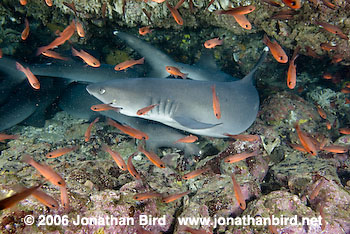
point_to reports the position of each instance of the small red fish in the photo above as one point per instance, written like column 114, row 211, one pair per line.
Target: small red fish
column 25, row 32
column 88, row 130
column 241, row 10
column 152, row 157
column 329, row 4
column 242, row 137
column 4, row 137
column 88, row 59
column 23, row 2
column 321, row 112
column 294, row 4
column 187, row 139
column 306, row 141
column 146, row 109
column 59, row 152
column 175, row 13
column 216, row 103
column 34, row 82
column 147, row 195
column 238, row 193
column 239, row 157
column 195, row 173
column 174, row 197
column 104, row 107
column 64, row 197
column 344, row 130
column 317, row 189
column 129, row 63
column 129, row 130
column 145, row 30
column 131, row 167
column 292, row 72
column 53, row 54
column 1, row 53
column 276, row 50
column 213, row 42
column 116, row 157
column 176, row 72
column 243, row 21
column 45, row 171
column 80, row 28
column 11, row 201
column 332, row 29
column 48, row 3
column 336, row 149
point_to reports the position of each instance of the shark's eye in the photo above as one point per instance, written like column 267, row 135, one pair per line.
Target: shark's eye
column 101, row 90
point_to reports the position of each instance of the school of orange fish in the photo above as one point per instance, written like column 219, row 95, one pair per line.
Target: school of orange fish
column 308, row 143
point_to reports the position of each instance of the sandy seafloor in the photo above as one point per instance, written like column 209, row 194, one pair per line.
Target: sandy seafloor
column 278, row 182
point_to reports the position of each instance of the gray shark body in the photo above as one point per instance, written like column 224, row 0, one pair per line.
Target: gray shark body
column 186, row 104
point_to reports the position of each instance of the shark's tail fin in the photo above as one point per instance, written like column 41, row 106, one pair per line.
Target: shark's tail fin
column 250, row 76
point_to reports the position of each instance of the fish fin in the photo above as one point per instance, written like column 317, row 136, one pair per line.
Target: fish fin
column 192, row 123
column 207, row 61
column 250, row 76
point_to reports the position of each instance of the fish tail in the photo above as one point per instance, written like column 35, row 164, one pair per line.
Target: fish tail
column 75, row 52
column 141, row 60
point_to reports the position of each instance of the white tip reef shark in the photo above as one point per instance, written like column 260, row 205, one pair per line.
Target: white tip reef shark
column 186, row 104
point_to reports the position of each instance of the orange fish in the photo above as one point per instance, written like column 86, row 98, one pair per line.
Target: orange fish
column 328, row 47
column 1, row 53
column 104, row 107
column 345, row 90
column 64, row 197
column 341, row 130
column 195, row 173
column 30, row 76
column 239, row 157
column 129, row 63
column 323, row 218
column 276, row 50
column 45, row 171
column 243, row 21
column 147, row 195
column 292, row 70
column 238, row 193
column 347, row 101
column 336, row 149
column 59, row 152
column 11, row 201
column 131, row 167
column 23, row 2
column 244, row 137
column 327, row 76
column 63, row 37
column 187, row 139
column 89, row 59
column 129, row 130
column 88, row 130
column 152, row 157
column 312, row 53
column 43, row 198
column 79, row 27
column 179, row 3
column 176, row 72
column 329, row 4
column 298, row 147
column 317, row 189
column 321, row 112
column 116, row 157
column 71, row 6
column 146, row 109
column 241, row 10
column 332, row 29
column 337, row 58
column 213, row 42
column 216, row 103
column 294, row 4
column 53, row 54
column 175, row 13
column 145, row 30
column 48, row 2
column 25, row 32
column 4, row 137
column 328, row 125
column 174, row 197
column 306, row 141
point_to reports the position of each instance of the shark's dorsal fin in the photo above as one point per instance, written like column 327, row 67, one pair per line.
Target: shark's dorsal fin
column 207, row 61
column 192, row 123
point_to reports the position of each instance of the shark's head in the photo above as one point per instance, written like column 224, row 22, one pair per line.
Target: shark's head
column 117, row 94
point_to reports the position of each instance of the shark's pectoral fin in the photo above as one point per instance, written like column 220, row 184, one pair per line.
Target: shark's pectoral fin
column 192, row 123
